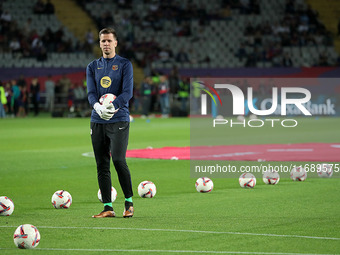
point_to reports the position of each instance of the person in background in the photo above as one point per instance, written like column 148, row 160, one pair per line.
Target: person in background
column 35, row 93
column 3, row 101
column 70, row 98
column 184, row 93
column 21, row 82
column 9, row 95
column 62, row 88
column 145, row 92
column 15, row 97
column 163, row 91
column 23, row 102
column 49, row 88
column 174, row 80
column 195, row 96
column 25, row 99
column 80, row 97
column 49, row 8
column 154, row 106
column 136, row 98
column 39, row 7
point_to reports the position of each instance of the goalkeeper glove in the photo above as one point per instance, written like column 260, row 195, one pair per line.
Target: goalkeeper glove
column 105, row 113
column 112, row 108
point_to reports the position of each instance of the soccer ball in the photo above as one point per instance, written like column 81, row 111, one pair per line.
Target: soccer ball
column 61, row 199
column 240, row 118
column 247, row 180
column 113, row 195
column 204, row 185
column 271, row 177
column 252, row 117
column 26, row 236
column 325, row 170
column 147, row 189
column 107, row 99
column 298, row 174
column 6, row 206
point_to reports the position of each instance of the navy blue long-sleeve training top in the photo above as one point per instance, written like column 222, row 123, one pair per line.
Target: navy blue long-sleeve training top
column 110, row 75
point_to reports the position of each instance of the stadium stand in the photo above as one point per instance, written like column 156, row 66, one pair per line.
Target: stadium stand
column 189, row 36
column 43, row 39
column 211, row 35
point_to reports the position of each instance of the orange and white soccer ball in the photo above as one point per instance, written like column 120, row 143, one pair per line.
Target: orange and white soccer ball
column 247, row 180
column 298, row 174
column 61, row 199
column 271, row 177
column 107, row 99
column 113, row 195
column 26, row 236
column 204, row 185
column 6, row 206
column 147, row 189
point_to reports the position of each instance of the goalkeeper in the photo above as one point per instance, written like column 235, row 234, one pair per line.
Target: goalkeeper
column 110, row 125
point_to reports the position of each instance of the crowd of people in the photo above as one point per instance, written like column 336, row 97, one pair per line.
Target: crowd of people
column 18, row 98
column 299, row 27
column 163, row 94
column 157, row 94
column 263, row 42
column 15, row 97
column 24, row 41
column 144, row 50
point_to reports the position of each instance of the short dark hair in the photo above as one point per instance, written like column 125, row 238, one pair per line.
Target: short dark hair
column 108, row 30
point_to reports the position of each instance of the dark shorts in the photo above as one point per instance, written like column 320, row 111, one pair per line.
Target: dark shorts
column 110, row 137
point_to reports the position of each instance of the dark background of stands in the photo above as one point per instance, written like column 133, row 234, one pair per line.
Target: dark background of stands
column 181, row 39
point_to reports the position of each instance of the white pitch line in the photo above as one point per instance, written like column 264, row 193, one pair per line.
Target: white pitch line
column 173, row 251
column 289, row 150
column 188, row 231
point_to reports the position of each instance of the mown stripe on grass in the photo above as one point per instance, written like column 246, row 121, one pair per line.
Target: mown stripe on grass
column 188, row 231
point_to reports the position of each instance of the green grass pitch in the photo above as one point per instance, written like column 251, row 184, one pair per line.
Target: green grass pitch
column 41, row 155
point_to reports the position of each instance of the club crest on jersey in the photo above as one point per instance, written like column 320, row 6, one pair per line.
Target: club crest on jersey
column 105, row 82
column 114, row 67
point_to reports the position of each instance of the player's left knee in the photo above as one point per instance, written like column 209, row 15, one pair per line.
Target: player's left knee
column 119, row 161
